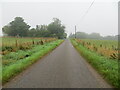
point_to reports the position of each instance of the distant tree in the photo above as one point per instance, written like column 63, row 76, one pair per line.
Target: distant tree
column 56, row 29
column 41, row 31
column 65, row 35
column 94, row 36
column 83, row 35
column 111, row 37
column 16, row 27
column 32, row 32
column 19, row 28
column 6, row 30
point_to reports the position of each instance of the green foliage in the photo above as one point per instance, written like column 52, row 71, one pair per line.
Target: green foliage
column 6, row 30
column 56, row 29
column 16, row 28
column 17, row 55
column 19, row 28
column 107, row 67
column 32, row 32
column 39, row 31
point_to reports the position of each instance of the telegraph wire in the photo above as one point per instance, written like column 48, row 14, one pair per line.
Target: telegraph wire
column 88, row 10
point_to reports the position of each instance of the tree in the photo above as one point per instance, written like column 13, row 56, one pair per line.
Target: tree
column 97, row 36
column 81, row 35
column 32, row 32
column 41, row 31
column 16, row 27
column 19, row 28
column 65, row 35
column 6, row 30
column 56, row 29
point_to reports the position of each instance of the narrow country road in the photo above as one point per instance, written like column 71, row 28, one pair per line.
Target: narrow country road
column 62, row 68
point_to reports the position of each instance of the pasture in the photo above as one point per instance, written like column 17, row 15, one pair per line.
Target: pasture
column 107, row 48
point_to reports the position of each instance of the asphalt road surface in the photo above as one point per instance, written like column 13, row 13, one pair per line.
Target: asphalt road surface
column 62, row 68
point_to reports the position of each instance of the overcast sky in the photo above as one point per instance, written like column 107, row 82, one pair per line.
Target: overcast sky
column 102, row 17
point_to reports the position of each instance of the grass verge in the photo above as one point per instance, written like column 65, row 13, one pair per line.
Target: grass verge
column 108, row 68
column 13, row 69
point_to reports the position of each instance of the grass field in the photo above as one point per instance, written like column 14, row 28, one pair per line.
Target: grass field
column 12, row 44
column 95, row 53
column 107, row 48
column 14, row 49
column 26, row 52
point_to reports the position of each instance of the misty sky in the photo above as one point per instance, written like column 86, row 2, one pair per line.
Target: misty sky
column 101, row 18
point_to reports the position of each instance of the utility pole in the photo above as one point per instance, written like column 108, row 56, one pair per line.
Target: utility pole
column 75, row 31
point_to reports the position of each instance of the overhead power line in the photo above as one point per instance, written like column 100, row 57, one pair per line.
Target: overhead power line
column 85, row 14
column 88, row 9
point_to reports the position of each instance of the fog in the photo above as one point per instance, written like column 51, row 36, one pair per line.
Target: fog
column 102, row 17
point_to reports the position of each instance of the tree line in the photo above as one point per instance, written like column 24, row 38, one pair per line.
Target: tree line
column 20, row 28
column 97, row 36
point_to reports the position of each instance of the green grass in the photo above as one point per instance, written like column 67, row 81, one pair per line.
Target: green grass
column 9, row 44
column 108, row 68
column 107, row 43
column 12, row 40
column 9, row 71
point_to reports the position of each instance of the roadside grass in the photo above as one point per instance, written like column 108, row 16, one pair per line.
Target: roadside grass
column 11, row 70
column 108, row 68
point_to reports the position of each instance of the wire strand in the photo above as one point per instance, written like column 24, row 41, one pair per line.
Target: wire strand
column 87, row 10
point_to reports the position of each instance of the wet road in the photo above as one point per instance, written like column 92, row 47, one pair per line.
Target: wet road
column 62, row 68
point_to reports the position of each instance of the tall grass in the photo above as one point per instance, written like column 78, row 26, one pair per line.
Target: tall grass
column 108, row 68
column 107, row 43
column 11, row 70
